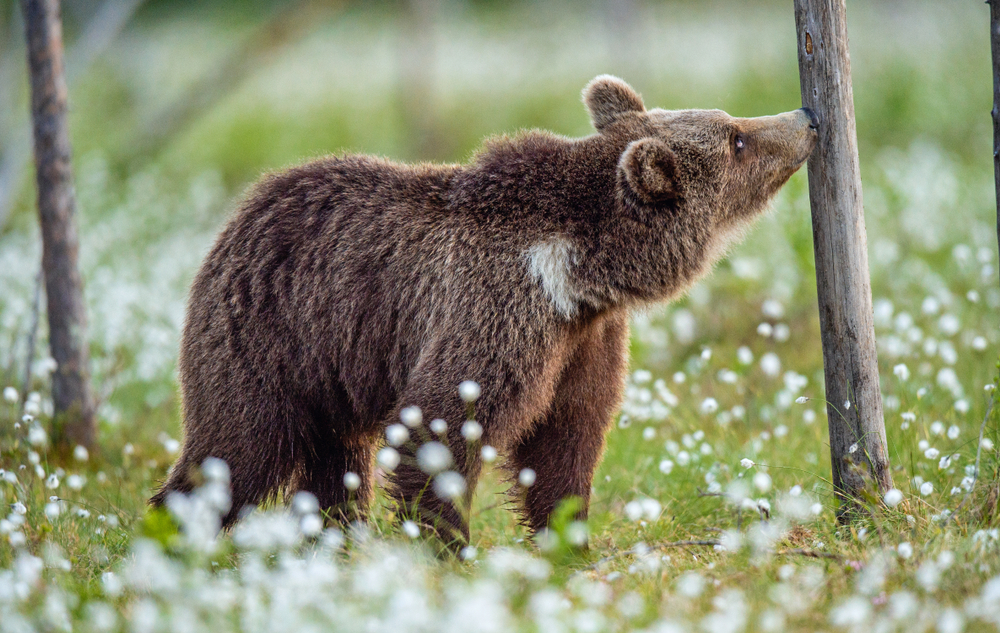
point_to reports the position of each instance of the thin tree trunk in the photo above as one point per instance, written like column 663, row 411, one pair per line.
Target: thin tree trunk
column 74, row 404
column 995, row 46
column 854, row 402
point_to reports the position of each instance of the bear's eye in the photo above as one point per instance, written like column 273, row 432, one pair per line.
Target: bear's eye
column 739, row 142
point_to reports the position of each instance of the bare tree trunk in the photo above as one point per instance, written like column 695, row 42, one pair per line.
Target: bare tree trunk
column 74, row 404
column 995, row 46
column 854, row 401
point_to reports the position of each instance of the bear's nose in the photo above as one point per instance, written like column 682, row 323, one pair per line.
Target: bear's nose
column 813, row 119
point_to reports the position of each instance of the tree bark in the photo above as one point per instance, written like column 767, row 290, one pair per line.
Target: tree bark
column 995, row 46
column 854, row 401
column 74, row 403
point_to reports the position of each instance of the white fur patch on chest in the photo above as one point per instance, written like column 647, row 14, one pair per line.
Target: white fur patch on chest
column 549, row 262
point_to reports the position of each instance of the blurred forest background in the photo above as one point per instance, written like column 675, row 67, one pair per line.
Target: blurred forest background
column 176, row 106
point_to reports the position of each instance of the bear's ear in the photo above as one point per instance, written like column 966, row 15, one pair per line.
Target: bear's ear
column 650, row 170
column 607, row 98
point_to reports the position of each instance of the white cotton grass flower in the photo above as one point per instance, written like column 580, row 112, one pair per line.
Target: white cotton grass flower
column 75, row 482
column 37, row 436
column 352, row 481
column 937, row 427
column 449, row 485
column 932, row 453
column 52, row 482
column 746, row 462
column 433, row 457
column 926, row 488
column 10, row 395
column 901, row 371
column 438, row 426
column 411, row 529
column 770, row 364
column 412, row 417
column 469, row 391
column 847, row 404
column 649, row 433
column 305, row 503
column 472, row 430
column 893, row 497
column 801, row 400
column 953, row 432
column 666, row 466
column 19, row 508
column 762, row 481
column 744, row 355
column 396, row 434
column 80, row 453
column 488, row 453
column 709, row 406
column 526, row 477
column 52, row 510
column 905, row 550
column 765, row 329
column 388, row 458
column 311, row 525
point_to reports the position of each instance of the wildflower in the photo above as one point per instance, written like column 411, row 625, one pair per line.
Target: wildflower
column 52, row 482
column 847, row 404
column 215, row 470
column 488, row 453
column 449, row 485
column 388, row 458
column 75, row 482
column 932, row 453
column 905, row 550
column 679, row 377
column 411, row 416
column 980, row 343
column 853, row 448
column 438, row 426
column 765, row 329
column 893, row 497
column 469, row 391
column 901, row 371
column 782, row 332
column 762, row 481
column 808, row 416
column 433, row 457
column 641, row 376
column 80, row 453
column 709, row 406
column 396, row 434
column 37, row 436
column 937, row 428
column 526, row 477
column 352, row 481
column 744, row 355
column 706, row 354
column 770, row 364
column 987, row 444
column 52, row 510
column 468, row 552
column 18, row 508
column 472, row 430
column 311, row 525
column 746, row 462
column 801, row 400
column 926, row 488
column 953, row 432
column 10, row 395
column 816, row 509
column 690, row 584
column 962, row 405
column 649, row 433
column 411, row 529
column 666, row 466
column 945, row 462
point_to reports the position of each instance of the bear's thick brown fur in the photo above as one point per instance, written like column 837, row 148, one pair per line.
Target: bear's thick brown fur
column 350, row 287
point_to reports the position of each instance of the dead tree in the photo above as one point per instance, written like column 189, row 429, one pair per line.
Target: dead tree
column 74, row 403
column 854, row 401
column 995, row 47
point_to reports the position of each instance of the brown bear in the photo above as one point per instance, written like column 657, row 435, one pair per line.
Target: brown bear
column 349, row 288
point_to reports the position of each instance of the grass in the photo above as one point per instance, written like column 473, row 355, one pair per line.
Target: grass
column 716, row 375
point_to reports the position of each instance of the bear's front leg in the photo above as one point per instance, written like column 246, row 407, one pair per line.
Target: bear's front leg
column 565, row 448
column 439, row 466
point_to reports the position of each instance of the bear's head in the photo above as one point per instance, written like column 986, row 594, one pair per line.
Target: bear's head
column 725, row 167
